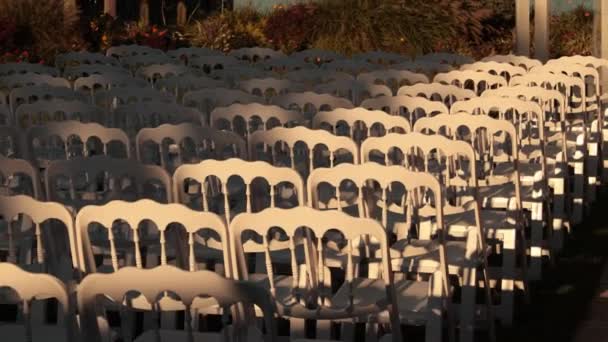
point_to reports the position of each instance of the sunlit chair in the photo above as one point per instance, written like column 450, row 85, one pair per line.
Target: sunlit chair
column 30, row 288
column 446, row 94
column 7, row 69
column 407, row 106
column 72, row 139
column 155, row 72
column 96, row 180
column 505, row 70
column 303, row 149
column 360, row 123
column 310, row 103
column 393, row 78
column 55, row 110
column 170, row 146
column 135, row 116
column 232, row 186
column 19, row 177
column 208, row 99
column 305, row 291
column 132, row 50
column 189, row 290
column 269, row 87
column 520, row 61
column 477, row 81
column 256, row 54
column 39, row 236
column 355, row 91
column 244, row 119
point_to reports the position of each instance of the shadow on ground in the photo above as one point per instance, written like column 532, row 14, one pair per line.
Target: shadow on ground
column 561, row 302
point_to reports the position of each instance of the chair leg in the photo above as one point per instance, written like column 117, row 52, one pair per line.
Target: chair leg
column 536, row 249
column 507, row 287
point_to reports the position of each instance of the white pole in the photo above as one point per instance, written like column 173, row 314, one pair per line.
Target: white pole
column 603, row 12
column 542, row 10
column 109, row 7
column 522, row 24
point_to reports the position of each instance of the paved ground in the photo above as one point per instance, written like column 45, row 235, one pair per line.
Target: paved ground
column 571, row 303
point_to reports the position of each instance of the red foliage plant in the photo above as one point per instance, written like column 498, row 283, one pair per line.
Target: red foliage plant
column 289, row 28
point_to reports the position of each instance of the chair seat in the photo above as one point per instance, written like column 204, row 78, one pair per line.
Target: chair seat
column 423, row 256
column 369, row 298
column 16, row 333
column 179, row 335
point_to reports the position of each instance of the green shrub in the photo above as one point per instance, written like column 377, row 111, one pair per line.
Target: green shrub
column 289, row 28
column 572, row 33
column 44, row 28
column 228, row 30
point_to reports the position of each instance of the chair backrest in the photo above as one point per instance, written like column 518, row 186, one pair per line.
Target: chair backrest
column 293, row 223
column 505, row 70
column 190, row 288
column 244, row 119
column 41, row 228
column 313, row 77
column 76, row 58
column 551, row 101
column 186, row 143
column 111, row 98
column 12, row 142
column 316, row 56
column 357, row 190
column 381, row 57
column 232, row 75
column 356, row 91
column 445, row 58
column 360, row 123
column 296, row 138
column 185, row 54
column 491, row 138
column 28, row 95
column 248, row 172
column 284, row 65
column 310, row 103
column 132, row 50
column 179, row 85
column 446, row 94
column 206, row 100
column 407, row 106
column 256, row 54
column 7, row 69
column 568, row 86
column 33, row 286
column 45, row 111
column 135, row 217
column 30, row 79
column 393, row 78
column 599, row 64
column 350, row 66
column 588, row 75
column 92, row 84
column 77, row 139
column 428, row 68
column 96, row 180
column 477, row 81
column 134, row 63
column 154, row 72
column 12, row 172
column 85, row 70
column 136, row 116
column 520, row 61
column 6, row 118
column 269, row 87
column 417, row 144
column 206, row 64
